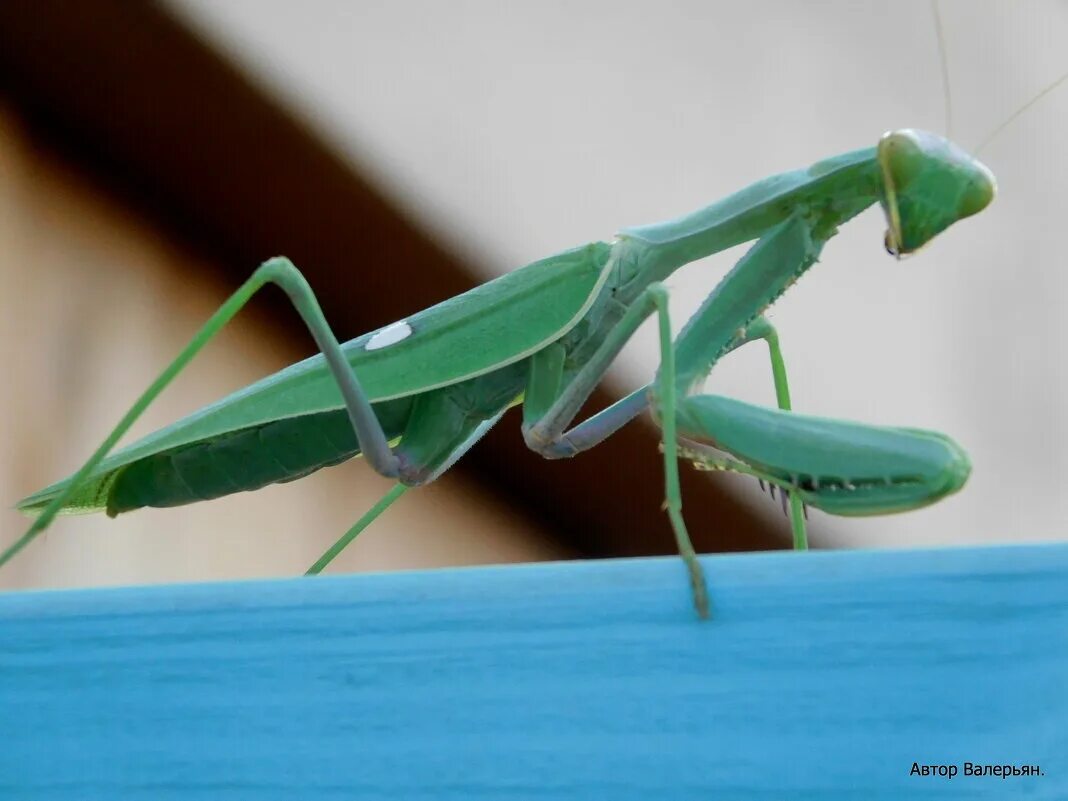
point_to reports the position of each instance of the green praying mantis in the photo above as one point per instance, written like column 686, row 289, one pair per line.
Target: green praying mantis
column 415, row 396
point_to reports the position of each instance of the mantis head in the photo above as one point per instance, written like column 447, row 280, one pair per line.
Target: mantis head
column 928, row 184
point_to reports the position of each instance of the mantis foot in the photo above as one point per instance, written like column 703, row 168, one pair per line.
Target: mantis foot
column 698, row 586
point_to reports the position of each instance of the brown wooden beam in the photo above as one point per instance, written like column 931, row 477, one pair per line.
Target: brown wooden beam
column 126, row 92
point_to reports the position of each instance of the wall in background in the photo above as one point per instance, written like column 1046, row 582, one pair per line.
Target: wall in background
column 95, row 303
column 518, row 130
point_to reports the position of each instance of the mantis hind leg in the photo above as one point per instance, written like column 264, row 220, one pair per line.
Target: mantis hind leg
column 444, row 425
column 447, row 459
column 280, row 271
column 368, row 518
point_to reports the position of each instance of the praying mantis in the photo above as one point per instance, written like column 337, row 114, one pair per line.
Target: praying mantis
column 414, row 396
column 691, row 449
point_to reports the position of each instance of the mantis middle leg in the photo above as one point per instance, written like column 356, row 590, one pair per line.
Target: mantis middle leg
column 549, row 409
column 729, row 317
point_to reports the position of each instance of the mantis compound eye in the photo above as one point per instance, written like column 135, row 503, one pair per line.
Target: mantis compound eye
column 890, row 243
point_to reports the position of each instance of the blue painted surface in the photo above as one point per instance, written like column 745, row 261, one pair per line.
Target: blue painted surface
column 822, row 676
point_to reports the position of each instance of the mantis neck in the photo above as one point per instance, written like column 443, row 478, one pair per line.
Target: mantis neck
column 827, row 194
column 792, row 215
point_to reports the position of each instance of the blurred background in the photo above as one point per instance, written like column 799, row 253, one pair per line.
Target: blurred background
column 400, row 152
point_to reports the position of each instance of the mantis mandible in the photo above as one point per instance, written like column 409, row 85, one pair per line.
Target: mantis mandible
column 416, row 395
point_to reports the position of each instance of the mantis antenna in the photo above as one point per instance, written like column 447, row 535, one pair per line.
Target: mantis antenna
column 1012, row 117
column 943, row 59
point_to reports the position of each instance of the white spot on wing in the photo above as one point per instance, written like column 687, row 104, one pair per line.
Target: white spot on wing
column 390, row 335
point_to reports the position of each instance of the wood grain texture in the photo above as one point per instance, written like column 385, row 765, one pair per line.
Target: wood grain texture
column 823, row 676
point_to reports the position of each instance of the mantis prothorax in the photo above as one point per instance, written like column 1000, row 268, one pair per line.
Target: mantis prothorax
column 414, row 396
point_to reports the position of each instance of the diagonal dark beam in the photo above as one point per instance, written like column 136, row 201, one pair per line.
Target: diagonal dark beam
column 134, row 98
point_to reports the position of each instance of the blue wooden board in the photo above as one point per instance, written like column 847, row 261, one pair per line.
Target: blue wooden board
column 822, row 676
